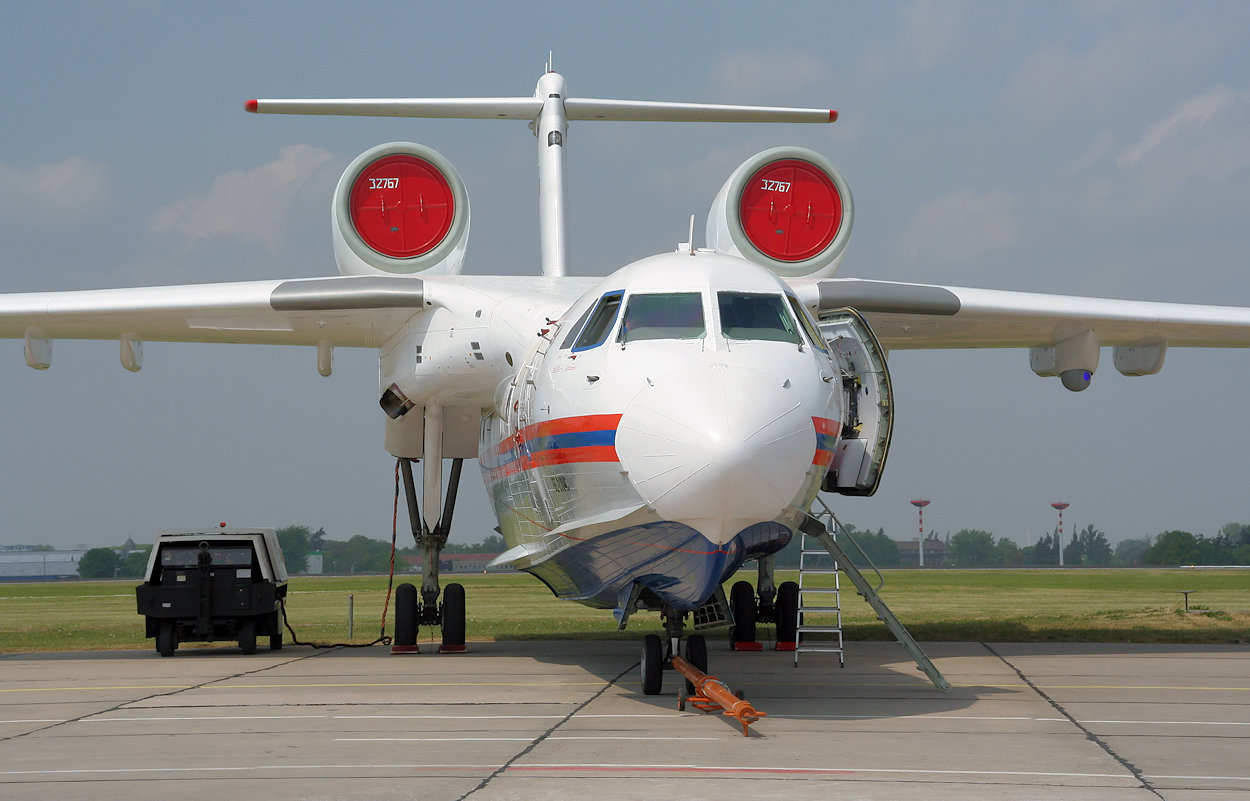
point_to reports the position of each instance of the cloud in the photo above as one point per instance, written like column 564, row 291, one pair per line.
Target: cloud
column 1190, row 116
column 68, row 191
column 1131, row 64
column 760, row 75
column 927, row 34
column 959, row 226
column 248, row 206
column 931, row 31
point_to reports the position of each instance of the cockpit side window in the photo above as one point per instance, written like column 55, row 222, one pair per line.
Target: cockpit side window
column 748, row 315
column 668, row 315
column 805, row 320
column 577, row 326
column 601, row 320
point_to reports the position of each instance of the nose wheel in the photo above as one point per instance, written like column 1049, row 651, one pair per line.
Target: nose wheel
column 652, row 665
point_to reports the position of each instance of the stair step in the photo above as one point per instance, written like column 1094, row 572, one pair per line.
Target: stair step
column 819, row 609
column 819, row 629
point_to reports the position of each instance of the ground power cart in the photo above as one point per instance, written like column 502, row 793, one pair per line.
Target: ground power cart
column 221, row 584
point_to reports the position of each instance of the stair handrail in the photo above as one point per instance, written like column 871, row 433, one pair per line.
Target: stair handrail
column 841, row 530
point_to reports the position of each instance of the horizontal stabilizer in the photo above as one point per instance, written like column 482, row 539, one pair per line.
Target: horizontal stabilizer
column 528, row 108
column 651, row 111
column 467, row 108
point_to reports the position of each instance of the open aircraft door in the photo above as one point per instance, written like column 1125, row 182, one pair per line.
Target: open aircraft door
column 867, row 403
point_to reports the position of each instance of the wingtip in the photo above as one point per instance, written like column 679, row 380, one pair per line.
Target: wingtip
column 250, row 106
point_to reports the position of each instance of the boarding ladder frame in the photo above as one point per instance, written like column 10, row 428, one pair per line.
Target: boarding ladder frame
column 819, row 527
column 808, row 555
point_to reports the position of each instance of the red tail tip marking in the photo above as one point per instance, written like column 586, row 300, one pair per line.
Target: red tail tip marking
column 833, row 115
column 251, row 106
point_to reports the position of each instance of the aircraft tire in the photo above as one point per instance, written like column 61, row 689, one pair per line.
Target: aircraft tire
column 652, row 665
column 166, row 638
column 406, row 615
column 696, row 654
column 787, row 611
column 453, row 614
column 742, row 604
column 247, row 636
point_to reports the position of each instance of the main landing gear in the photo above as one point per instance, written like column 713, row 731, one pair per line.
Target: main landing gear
column 776, row 605
column 412, row 610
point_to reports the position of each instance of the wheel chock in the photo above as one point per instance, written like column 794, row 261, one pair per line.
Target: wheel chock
column 748, row 646
column 404, row 649
column 711, row 694
column 787, row 646
column 452, row 649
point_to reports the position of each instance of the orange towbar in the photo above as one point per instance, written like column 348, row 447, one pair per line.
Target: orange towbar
column 712, row 693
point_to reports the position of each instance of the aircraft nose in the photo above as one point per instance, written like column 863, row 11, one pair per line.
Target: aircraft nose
column 717, row 448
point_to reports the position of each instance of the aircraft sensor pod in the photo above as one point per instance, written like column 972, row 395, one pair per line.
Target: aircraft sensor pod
column 788, row 209
column 400, row 208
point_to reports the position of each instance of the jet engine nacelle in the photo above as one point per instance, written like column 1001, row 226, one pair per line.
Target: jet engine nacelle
column 788, row 209
column 400, row 208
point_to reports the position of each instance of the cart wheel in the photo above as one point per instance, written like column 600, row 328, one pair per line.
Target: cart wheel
column 247, row 636
column 166, row 638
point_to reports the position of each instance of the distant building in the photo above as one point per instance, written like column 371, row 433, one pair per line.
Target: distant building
column 935, row 553
column 462, row 563
column 313, row 563
column 31, row 564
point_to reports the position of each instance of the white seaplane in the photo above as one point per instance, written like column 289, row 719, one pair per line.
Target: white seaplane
column 643, row 435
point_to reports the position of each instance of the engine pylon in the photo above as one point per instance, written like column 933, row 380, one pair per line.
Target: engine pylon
column 711, row 694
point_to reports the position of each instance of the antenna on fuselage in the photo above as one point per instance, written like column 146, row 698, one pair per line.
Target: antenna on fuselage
column 548, row 112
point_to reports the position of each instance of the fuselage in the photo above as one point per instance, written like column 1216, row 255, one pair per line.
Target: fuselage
column 673, row 422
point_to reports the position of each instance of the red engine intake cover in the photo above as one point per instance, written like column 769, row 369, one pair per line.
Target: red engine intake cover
column 401, row 206
column 790, row 210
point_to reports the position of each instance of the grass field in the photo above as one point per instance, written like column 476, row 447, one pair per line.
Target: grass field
column 971, row 605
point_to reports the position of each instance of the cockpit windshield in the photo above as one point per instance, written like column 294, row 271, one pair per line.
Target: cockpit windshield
column 669, row 315
column 748, row 315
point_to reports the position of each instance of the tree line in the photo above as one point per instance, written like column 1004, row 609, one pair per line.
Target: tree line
column 359, row 554
column 966, row 548
column 1087, row 547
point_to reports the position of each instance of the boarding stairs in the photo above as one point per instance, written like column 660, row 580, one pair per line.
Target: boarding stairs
column 822, row 527
column 820, row 605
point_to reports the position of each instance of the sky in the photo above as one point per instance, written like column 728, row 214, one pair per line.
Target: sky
column 1077, row 148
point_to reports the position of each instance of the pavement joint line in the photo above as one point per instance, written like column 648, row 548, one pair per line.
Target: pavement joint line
column 571, row 768
column 216, row 684
column 609, row 767
column 1129, row 766
column 547, row 734
column 123, row 704
column 505, row 739
column 150, row 719
column 207, row 685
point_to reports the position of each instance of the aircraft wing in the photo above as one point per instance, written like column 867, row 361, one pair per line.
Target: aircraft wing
column 910, row 316
column 347, row 311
